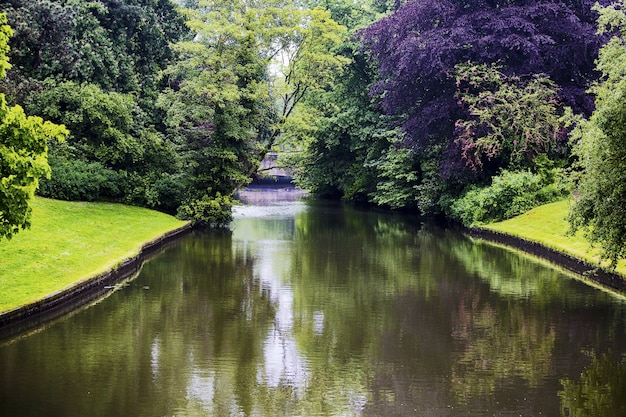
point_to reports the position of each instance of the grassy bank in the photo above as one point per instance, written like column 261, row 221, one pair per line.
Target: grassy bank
column 71, row 241
column 548, row 225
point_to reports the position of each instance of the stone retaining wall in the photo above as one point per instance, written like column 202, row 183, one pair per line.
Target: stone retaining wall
column 602, row 277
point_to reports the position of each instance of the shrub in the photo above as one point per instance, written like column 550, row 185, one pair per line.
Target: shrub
column 79, row 180
column 510, row 194
column 209, row 211
column 162, row 192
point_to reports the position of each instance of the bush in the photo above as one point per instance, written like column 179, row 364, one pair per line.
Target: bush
column 510, row 194
column 79, row 180
column 209, row 211
column 163, row 192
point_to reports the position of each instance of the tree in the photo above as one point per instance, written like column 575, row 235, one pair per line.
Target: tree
column 23, row 153
column 95, row 67
column 112, row 152
column 347, row 132
column 308, row 61
column 450, row 133
column 600, row 145
column 511, row 120
column 417, row 48
column 105, row 126
column 238, row 82
column 117, row 44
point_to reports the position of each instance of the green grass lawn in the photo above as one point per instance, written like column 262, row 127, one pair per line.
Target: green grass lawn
column 548, row 225
column 72, row 241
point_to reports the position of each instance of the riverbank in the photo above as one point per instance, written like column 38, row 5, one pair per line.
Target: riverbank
column 73, row 243
column 543, row 232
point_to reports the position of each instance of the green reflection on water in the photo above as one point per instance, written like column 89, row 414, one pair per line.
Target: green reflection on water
column 599, row 391
column 319, row 310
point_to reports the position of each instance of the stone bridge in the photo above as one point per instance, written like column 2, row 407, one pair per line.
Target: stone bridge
column 269, row 171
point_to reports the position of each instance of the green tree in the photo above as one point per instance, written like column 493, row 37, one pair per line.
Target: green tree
column 308, row 61
column 23, row 152
column 215, row 104
column 112, row 152
column 238, row 82
column 347, row 134
column 600, row 144
column 118, row 45
column 104, row 127
column 95, row 67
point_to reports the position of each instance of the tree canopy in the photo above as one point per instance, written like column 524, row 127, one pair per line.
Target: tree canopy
column 458, row 91
column 238, row 81
column 417, row 48
column 95, row 67
column 23, row 153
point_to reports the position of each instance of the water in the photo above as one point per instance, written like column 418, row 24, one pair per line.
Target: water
column 313, row 309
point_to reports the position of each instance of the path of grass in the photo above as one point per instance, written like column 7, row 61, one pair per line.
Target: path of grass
column 548, row 225
column 69, row 242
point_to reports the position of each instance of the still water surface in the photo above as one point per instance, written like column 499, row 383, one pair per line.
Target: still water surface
column 311, row 309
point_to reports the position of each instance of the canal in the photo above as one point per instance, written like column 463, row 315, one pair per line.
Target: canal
column 307, row 308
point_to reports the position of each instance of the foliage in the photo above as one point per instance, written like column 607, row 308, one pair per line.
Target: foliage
column 397, row 179
column 353, row 15
column 307, row 62
column 104, row 126
column 599, row 390
column 600, row 145
column 510, row 121
column 475, row 87
column 238, row 83
column 214, row 102
column 118, row 45
column 79, row 180
column 95, row 66
column 511, row 193
column 111, row 153
column 349, row 137
column 210, row 211
column 5, row 34
column 23, row 153
column 417, row 47
column 349, row 133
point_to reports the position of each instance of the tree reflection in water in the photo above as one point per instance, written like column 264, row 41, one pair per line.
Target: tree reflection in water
column 599, row 391
column 316, row 309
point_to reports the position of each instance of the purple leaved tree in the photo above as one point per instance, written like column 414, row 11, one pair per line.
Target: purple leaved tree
column 417, row 48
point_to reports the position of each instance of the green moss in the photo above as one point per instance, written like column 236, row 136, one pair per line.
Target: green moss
column 548, row 225
column 71, row 241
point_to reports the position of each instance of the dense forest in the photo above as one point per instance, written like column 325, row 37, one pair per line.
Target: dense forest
column 475, row 110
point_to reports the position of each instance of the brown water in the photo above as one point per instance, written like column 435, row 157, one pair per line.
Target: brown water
column 312, row 309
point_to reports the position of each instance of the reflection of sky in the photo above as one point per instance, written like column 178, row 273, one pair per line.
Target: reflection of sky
column 283, row 364
column 266, row 234
column 201, row 389
column 277, row 210
column 155, row 352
